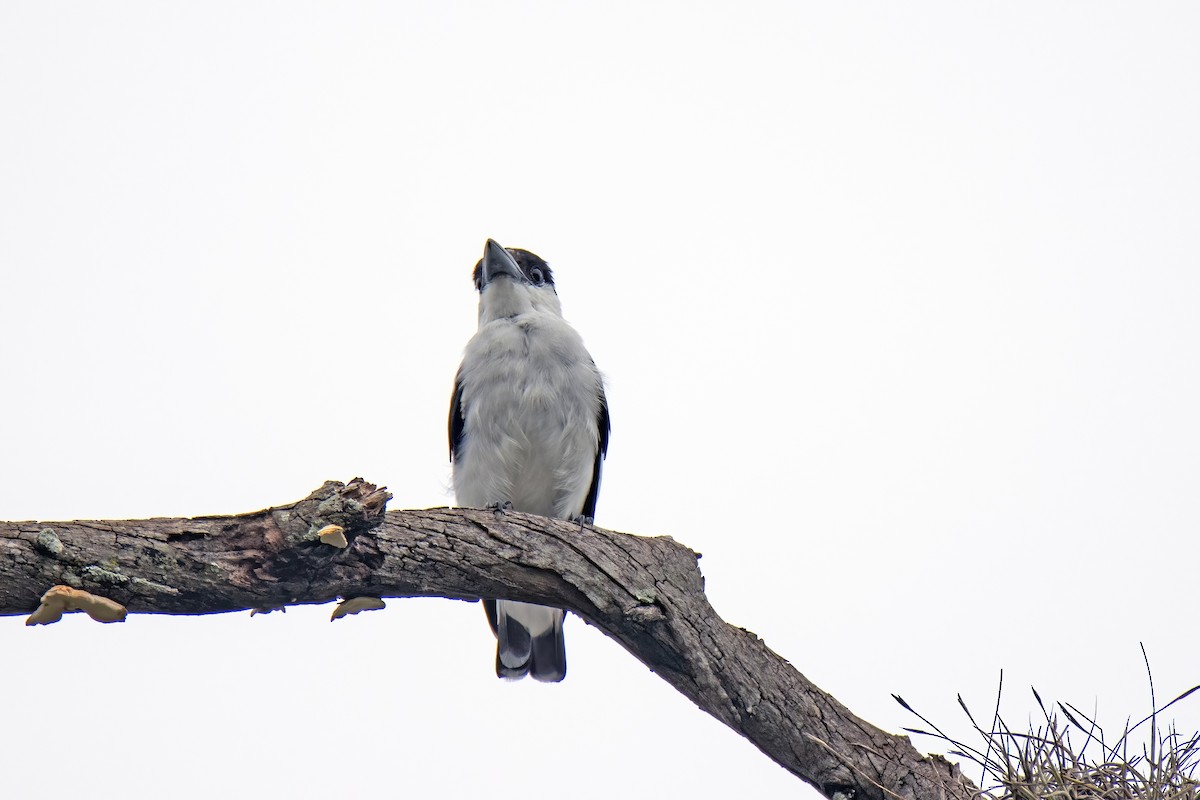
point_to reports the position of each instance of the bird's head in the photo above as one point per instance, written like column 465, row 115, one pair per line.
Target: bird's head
column 512, row 281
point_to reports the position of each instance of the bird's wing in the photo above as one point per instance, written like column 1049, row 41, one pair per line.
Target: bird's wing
column 602, row 429
column 456, row 417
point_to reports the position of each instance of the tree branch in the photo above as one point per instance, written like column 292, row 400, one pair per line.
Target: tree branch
column 646, row 593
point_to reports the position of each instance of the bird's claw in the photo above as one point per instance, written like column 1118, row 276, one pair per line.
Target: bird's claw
column 583, row 519
column 499, row 509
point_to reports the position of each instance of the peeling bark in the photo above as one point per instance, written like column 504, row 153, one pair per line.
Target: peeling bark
column 645, row 592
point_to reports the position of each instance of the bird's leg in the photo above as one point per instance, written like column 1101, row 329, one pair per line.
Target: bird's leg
column 583, row 519
column 499, row 508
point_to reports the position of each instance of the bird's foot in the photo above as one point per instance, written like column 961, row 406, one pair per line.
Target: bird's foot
column 582, row 520
column 499, row 509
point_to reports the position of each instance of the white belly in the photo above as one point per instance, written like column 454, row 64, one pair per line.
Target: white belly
column 531, row 401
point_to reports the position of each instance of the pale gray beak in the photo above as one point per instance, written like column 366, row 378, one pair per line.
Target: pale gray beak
column 497, row 261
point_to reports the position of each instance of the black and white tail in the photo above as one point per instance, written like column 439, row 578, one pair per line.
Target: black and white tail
column 529, row 640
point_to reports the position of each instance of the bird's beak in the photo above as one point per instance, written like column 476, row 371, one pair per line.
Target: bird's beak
column 498, row 261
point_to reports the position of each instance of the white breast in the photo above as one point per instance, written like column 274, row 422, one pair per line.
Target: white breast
column 530, row 396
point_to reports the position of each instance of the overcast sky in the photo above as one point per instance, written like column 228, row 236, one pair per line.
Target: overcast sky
column 897, row 305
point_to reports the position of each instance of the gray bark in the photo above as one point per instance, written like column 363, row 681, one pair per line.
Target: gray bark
column 645, row 592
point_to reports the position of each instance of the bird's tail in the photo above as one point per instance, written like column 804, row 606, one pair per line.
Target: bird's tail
column 529, row 640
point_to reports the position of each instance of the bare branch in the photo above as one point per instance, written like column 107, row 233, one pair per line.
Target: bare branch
column 645, row 592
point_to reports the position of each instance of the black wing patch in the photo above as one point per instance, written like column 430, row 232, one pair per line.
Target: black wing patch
column 603, row 427
column 456, row 418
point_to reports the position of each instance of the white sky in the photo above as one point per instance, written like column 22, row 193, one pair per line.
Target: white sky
column 897, row 305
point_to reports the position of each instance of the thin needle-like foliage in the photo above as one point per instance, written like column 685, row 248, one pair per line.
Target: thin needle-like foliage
column 1065, row 755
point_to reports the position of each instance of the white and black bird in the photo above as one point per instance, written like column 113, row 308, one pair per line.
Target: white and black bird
column 528, row 430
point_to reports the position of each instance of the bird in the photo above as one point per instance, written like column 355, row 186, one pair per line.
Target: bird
column 529, row 431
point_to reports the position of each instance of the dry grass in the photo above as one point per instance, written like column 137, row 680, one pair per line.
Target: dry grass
column 1066, row 756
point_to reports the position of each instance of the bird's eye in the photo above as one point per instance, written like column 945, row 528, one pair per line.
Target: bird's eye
column 536, row 276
